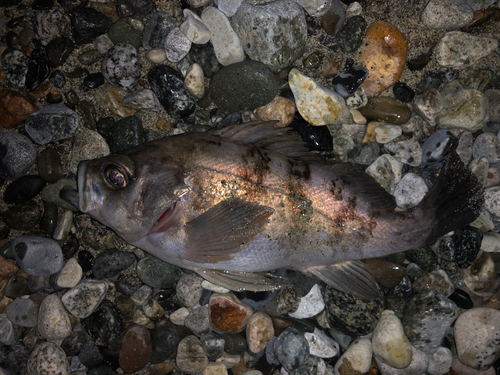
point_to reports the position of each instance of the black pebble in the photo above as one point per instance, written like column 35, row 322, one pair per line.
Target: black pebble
column 48, row 222
column 126, row 8
column 58, row 79
column 111, row 262
column 317, row 138
column 125, row 133
column 104, row 125
column 23, row 189
column 38, row 69
column 403, row 92
column 93, row 81
column 105, row 324
column 347, row 82
column 77, row 337
column 71, row 246
column 431, row 80
column 17, row 287
column 164, row 338
column 88, row 24
column 110, row 358
column 85, row 260
column 462, row 299
column 127, row 285
column 89, row 355
column 232, row 119
column 14, row 22
column 24, row 216
column 419, row 62
column 58, row 50
column 467, row 242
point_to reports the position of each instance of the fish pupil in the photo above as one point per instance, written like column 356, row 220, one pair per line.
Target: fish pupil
column 116, row 178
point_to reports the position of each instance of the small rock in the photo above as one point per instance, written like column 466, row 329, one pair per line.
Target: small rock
column 53, row 320
column 446, row 14
column 121, row 66
column 481, row 277
column 156, row 56
column 259, row 331
column 23, row 216
column 386, row 171
column 386, row 109
column 191, row 356
column 310, row 305
column 436, row 147
column 403, row 92
column 352, row 34
column 127, row 30
column 136, row 349
column 156, row 273
column 164, row 338
column 410, row 191
column 88, row 24
column 156, row 30
column 347, row 82
column 82, row 300
column 227, row 313
column 321, row 345
column 23, row 189
column 15, row 66
column 356, row 359
column 177, row 45
column 70, row 274
column 179, row 316
column 88, row 145
column 407, row 152
column 37, row 256
column 125, row 133
column 22, row 312
column 440, row 361
column 142, row 100
column 195, row 81
column 111, row 263
column 58, row 50
column 291, row 349
column 317, row 104
column 418, row 365
column 18, row 156
column 388, row 274
column 125, row 8
column 189, row 289
column 105, row 324
column 52, row 123
column 334, row 16
column 429, row 105
column 386, row 133
column 194, row 29
column 384, row 54
column 48, row 358
column 198, row 321
column 461, row 50
column 225, row 41
column 14, row 109
column 487, row 145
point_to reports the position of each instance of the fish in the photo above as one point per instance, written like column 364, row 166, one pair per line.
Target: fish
column 236, row 203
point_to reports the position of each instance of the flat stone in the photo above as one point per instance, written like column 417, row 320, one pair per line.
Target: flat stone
column 189, row 290
column 136, row 349
column 447, row 14
column 227, row 45
column 52, row 123
column 82, row 300
column 195, row 81
column 321, row 345
column 194, row 28
column 291, row 349
column 15, row 66
column 429, row 105
column 14, row 109
column 88, row 145
column 156, row 30
column 461, row 50
column 70, row 274
column 310, row 305
column 386, row 109
column 22, row 312
column 410, row 190
column 384, row 54
column 227, row 313
column 318, row 105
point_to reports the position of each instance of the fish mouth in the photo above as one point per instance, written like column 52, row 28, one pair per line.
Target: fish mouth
column 166, row 220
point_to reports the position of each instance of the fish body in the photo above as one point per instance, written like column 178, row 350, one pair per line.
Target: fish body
column 249, row 199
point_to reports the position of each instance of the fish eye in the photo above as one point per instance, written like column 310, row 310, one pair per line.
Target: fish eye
column 116, row 177
column 118, row 171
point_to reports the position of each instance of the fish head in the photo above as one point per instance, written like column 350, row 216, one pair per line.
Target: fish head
column 133, row 192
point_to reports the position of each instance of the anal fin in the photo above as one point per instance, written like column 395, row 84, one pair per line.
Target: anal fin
column 240, row 281
column 353, row 277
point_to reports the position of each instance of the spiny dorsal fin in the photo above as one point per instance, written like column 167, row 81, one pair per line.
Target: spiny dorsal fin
column 264, row 134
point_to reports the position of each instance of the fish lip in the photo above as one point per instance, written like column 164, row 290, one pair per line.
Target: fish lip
column 166, row 219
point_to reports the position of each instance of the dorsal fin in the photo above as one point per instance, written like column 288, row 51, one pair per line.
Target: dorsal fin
column 264, row 134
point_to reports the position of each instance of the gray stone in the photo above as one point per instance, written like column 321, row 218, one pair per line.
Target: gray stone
column 48, row 359
column 22, row 312
column 18, row 155
column 229, row 7
column 15, row 66
column 189, row 289
column 83, row 299
column 316, row 8
column 291, row 349
column 487, row 145
column 143, row 100
column 410, row 190
column 464, row 148
column 440, row 361
column 50, row 193
column 37, row 256
column 274, row 33
column 52, row 123
column 191, row 356
column 194, row 28
column 407, row 152
column 53, row 320
column 177, row 45
column 70, row 274
column 7, row 335
column 156, row 273
column 447, row 14
column 429, row 105
column 198, row 321
column 111, row 262
column 121, row 66
column 156, row 30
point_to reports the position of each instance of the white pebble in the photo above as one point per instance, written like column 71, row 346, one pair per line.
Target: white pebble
column 194, row 28
column 410, row 190
column 213, row 287
column 179, row 316
column 321, row 345
column 387, row 132
column 310, row 305
column 194, row 81
column 357, row 357
column 70, row 275
column 156, row 56
column 440, row 362
column 386, row 170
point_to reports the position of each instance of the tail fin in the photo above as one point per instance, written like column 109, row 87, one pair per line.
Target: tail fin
column 454, row 200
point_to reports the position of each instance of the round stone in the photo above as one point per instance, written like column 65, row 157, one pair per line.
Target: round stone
column 121, row 66
column 48, row 358
column 19, row 154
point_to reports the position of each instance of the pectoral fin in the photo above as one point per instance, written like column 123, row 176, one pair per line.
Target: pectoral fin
column 353, row 277
column 220, row 231
column 239, row 281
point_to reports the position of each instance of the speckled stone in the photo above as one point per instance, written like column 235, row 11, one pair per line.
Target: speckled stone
column 52, row 123
column 156, row 30
column 291, row 349
column 48, row 359
column 53, row 320
column 189, row 290
column 259, row 331
column 157, row 273
column 15, row 66
column 191, row 356
column 446, row 14
column 83, row 299
column 105, row 324
column 121, row 66
column 177, row 45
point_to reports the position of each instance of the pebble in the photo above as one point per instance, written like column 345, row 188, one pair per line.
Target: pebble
column 121, row 66
column 426, row 318
column 440, row 361
column 156, row 29
column 388, row 274
column 244, row 85
column 179, row 316
column 198, row 321
column 63, row 226
column 87, row 24
column 321, row 345
column 136, row 349
column 14, row 109
column 195, row 81
column 386, row 171
column 105, row 324
column 156, row 56
column 15, row 66
column 226, row 43
column 164, row 339
column 310, row 305
column 204, row 55
column 191, row 356
column 291, row 349
column 463, row 108
column 16, row 287
column 342, row 145
column 82, row 300
column 52, row 123
column 194, row 28
column 58, row 50
column 476, row 335
column 334, row 16
column 189, row 290
column 356, row 359
column 23, row 189
column 6, row 331
column 38, row 69
column 93, row 80
column 406, row 151
column 447, row 14
column 18, row 156
column 461, row 50
column 418, row 365
column 493, row 97
column 48, row 358
column 389, row 342
column 437, row 146
column 227, row 313
column 481, row 277
column 168, row 85
column 259, row 331
column 111, row 262
column 156, row 273
column 403, row 92
column 347, row 82
column 141, row 7
column 384, row 54
column 214, row 346
column 410, row 190
column 89, row 355
column 23, row 216
column 70, row 274
column 429, row 105
column 125, row 133
column 487, row 145
column 352, row 34
column 177, row 45
column 464, row 148
column 22, row 312
column 387, row 133
column 53, row 320
column 480, row 167
column 273, row 33
column 127, row 30
column 318, row 105
column 111, row 98
column 386, row 109
column 37, row 256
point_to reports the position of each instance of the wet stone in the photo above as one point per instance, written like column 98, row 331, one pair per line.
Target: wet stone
column 38, row 69
column 125, row 133
column 82, row 300
column 426, row 318
column 403, row 92
column 164, row 339
column 273, row 33
column 58, row 50
column 407, row 152
column 23, row 189
column 121, row 66
column 244, row 85
column 198, row 321
column 461, row 299
column 228, row 314
column 22, row 312
column 89, row 355
column 291, row 349
column 364, row 153
column 467, row 242
column 111, row 262
column 156, row 273
column 48, row 358
column 127, row 30
column 15, row 66
column 37, row 256
column 436, row 147
column 386, row 109
column 349, row 314
column 191, row 356
column 104, row 324
column 14, row 109
column 156, row 30
column 214, row 346
column 347, row 82
column 481, row 277
column 259, row 331
column 410, row 190
column 19, row 154
column 350, row 37
column 168, row 85
column 440, row 362
column 136, row 349
column 93, row 80
column 88, row 24
column 70, row 274
column 52, row 123
column 53, row 320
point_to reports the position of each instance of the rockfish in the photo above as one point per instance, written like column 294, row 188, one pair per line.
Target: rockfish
column 236, row 202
